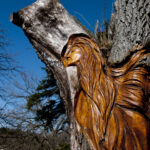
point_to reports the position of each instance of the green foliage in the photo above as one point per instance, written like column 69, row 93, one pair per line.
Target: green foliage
column 51, row 112
column 14, row 139
column 46, row 99
column 11, row 132
column 33, row 99
column 63, row 146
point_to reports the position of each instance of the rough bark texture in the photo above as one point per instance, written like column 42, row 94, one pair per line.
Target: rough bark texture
column 48, row 26
column 132, row 26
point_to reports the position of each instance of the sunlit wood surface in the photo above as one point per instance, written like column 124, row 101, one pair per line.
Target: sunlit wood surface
column 111, row 105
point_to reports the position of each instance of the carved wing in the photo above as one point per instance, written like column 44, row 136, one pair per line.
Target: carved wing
column 133, row 82
column 129, row 121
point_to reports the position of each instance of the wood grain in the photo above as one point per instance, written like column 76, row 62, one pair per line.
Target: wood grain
column 111, row 103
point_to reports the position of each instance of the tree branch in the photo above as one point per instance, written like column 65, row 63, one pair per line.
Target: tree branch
column 48, row 26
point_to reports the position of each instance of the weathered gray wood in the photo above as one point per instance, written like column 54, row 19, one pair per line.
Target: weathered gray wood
column 132, row 26
column 48, row 25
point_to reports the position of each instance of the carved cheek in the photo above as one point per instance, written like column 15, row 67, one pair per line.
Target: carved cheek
column 72, row 58
column 76, row 57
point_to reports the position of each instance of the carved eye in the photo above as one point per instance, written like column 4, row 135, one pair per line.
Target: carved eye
column 67, row 57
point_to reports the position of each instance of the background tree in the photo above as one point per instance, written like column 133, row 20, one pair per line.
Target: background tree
column 48, row 26
column 20, row 127
column 7, row 63
column 8, row 68
column 48, row 104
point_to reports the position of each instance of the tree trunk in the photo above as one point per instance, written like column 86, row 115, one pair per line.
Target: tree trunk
column 132, row 27
column 48, row 26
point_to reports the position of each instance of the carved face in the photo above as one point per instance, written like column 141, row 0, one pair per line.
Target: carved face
column 71, row 57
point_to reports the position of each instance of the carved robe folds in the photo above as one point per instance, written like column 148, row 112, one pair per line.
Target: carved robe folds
column 112, row 102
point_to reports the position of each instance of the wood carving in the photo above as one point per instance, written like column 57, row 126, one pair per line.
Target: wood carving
column 111, row 104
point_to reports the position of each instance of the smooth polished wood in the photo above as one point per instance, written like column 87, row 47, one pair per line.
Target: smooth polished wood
column 111, row 103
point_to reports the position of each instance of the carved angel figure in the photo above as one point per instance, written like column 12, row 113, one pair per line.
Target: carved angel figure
column 112, row 102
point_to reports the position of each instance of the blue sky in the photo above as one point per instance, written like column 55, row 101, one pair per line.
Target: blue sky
column 87, row 12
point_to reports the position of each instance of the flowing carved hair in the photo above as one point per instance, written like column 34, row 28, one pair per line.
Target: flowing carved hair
column 106, row 93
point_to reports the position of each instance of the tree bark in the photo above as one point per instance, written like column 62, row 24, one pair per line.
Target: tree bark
column 132, row 27
column 48, row 26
